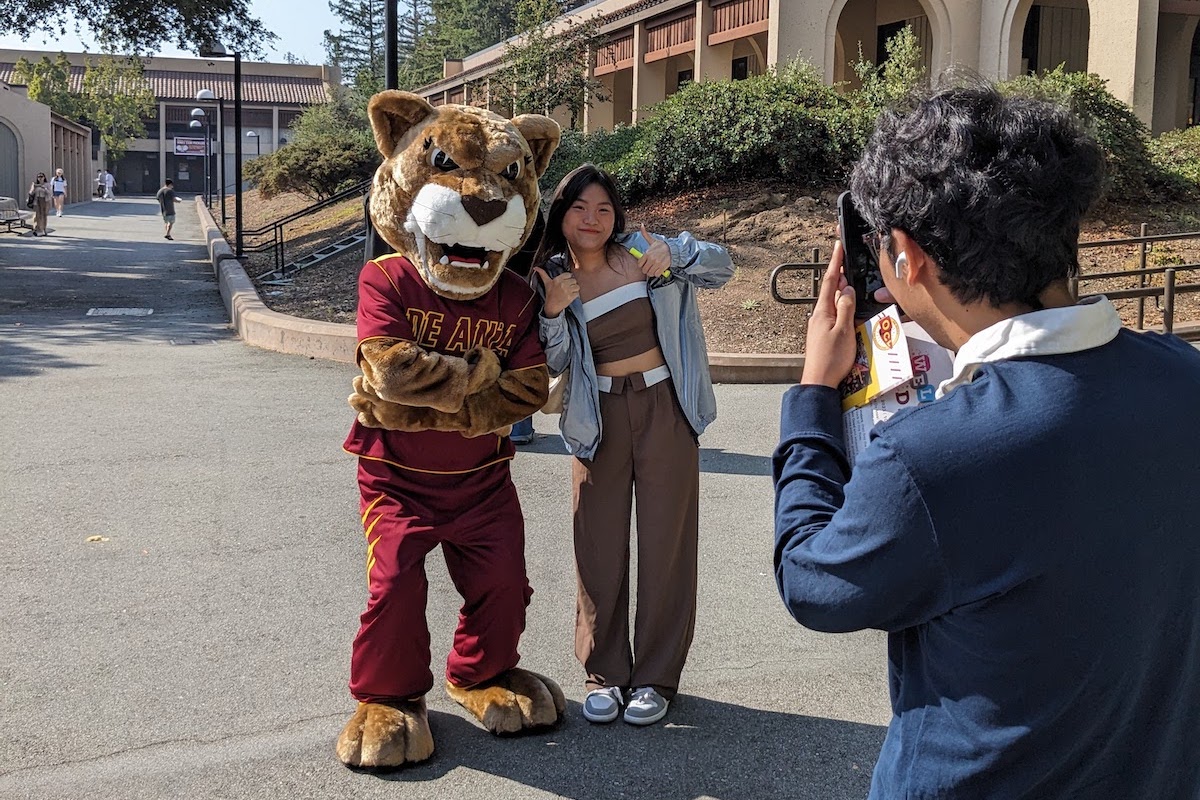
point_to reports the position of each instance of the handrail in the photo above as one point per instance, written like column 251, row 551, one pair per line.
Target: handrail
column 357, row 188
column 276, row 242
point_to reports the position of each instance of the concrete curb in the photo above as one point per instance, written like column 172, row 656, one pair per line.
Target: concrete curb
column 262, row 327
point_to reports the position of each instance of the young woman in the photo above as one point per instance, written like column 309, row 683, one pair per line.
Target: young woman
column 58, row 185
column 39, row 191
column 619, row 317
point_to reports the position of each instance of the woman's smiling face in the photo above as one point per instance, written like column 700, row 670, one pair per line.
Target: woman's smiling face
column 588, row 223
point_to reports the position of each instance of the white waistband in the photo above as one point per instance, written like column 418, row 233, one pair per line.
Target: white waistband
column 651, row 377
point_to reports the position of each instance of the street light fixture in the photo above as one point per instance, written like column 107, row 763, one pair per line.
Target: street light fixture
column 217, row 50
column 207, row 96
column 200, row 120
column 257, row 142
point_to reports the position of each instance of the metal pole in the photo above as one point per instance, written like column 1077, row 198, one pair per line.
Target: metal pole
column 1142, row 284
column 207, row 158
column 816, row 273
column 221, row 150
column 237, row 151
column 1169, row 302
column 391, row 50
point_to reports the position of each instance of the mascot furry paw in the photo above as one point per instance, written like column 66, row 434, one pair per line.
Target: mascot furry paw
column 450, row 359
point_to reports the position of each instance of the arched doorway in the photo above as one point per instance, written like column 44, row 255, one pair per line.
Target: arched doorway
column 10, row 169
column 866, row 25
column 1055, row 32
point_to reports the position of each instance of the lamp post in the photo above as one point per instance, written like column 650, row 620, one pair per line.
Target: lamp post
column 217, row 50
column 200, row 120
column 257, row 142
column 207, row 96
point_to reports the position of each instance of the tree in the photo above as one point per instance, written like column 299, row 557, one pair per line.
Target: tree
column 359, row 48
column 133, row 26
column 49, row 82
column 116, row 100
column 544, row 69
column 332, row 149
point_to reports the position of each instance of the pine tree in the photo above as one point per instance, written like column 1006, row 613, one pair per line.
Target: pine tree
column 357, row 49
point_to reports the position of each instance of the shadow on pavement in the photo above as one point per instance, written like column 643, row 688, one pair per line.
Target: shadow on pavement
column 706, row 749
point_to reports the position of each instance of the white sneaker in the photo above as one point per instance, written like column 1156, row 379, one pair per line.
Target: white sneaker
column 602, row 705
column 646, row 707
column 58, row 213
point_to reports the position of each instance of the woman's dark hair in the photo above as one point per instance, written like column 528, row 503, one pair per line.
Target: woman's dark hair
column 568, row 191
column 993, row 188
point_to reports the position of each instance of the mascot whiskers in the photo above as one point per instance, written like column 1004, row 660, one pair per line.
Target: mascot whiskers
column 450, row 358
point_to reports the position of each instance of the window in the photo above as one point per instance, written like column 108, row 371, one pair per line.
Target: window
column 741, row 68
column 685, row 77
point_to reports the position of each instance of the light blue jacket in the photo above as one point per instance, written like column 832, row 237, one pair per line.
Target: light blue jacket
column 694, row 264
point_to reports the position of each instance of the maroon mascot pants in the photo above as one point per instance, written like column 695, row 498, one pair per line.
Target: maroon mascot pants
column 476, row 518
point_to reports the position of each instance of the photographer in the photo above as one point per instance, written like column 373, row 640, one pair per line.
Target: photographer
column 1028, row 540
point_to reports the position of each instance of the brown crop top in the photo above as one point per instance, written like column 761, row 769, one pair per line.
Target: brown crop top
column 620, row 324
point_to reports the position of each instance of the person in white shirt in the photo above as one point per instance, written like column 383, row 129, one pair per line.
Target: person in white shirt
column 58, row 185
column 109, row 180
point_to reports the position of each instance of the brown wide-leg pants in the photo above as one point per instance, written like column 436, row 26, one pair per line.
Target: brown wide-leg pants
column 646, row 443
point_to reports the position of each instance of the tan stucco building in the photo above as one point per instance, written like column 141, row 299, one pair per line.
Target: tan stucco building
column 273, row 95
column 34, row 139
column 1146, row 49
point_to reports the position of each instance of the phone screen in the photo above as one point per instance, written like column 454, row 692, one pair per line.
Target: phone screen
column 860, row 262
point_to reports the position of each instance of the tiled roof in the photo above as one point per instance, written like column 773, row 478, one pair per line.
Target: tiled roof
column 170, row 85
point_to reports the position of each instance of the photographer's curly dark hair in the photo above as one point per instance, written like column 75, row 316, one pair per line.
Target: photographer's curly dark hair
column 993, row 188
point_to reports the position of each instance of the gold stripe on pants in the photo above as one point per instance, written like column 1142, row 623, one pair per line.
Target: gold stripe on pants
column 648, row 444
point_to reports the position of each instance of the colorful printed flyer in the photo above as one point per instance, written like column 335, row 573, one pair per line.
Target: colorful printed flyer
column 931, row 364
column 881, row 362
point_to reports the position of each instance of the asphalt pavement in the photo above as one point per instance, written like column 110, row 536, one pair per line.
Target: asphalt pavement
column 183, row 570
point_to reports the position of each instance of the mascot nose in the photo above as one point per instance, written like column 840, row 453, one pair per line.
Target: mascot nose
column 483, row 211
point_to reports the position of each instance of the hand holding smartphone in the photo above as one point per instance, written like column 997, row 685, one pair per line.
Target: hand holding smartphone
column 860, row 262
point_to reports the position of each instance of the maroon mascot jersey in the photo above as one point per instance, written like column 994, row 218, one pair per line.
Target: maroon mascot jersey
column 395, row 302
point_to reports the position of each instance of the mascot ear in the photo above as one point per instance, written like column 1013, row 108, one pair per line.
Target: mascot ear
column 543, row 134
column 393, row 114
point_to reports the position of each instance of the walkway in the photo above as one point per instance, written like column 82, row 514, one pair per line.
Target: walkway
column 199, row 648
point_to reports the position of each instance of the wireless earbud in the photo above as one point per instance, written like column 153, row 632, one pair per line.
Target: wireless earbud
column 901, row 264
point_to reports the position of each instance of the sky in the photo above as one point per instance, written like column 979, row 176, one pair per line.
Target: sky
column 299, row 24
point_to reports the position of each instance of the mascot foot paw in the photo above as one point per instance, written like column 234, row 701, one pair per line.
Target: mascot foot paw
column 514, row 701
column 385, row 736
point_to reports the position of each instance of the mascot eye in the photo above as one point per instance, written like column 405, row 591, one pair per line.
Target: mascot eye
column 439, row 159
column 512, row 170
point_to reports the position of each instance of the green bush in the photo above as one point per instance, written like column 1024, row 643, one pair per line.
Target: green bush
column 1133, row 174
column 767, row 126
column 1177, row 153
column 603, row 148
column 332, row 149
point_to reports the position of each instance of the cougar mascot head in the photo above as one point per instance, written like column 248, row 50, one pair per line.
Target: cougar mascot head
column 457, row 191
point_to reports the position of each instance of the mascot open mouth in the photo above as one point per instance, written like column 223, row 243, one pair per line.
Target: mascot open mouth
column 457, row 255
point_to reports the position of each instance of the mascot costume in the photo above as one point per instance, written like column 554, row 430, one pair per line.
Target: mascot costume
column 450, row 358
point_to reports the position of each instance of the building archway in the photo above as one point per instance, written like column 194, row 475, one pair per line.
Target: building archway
column 10, row 163
column 1037, row 35
column 870, row 23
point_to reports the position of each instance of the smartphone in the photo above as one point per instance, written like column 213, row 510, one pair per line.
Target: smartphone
column 860, row 263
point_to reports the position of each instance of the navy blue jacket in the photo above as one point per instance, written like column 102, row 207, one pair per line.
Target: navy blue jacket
column 1031, row 543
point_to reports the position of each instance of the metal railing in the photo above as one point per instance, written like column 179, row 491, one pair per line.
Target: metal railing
column 276, row 241
column 1167, row 293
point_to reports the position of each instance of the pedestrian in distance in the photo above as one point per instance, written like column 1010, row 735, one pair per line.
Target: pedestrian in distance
column 99, row 185
column 1027, row 539
column 619, row 320
column 109, row 180
column 39, row 203
column 58, row 186
column 166, row 204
